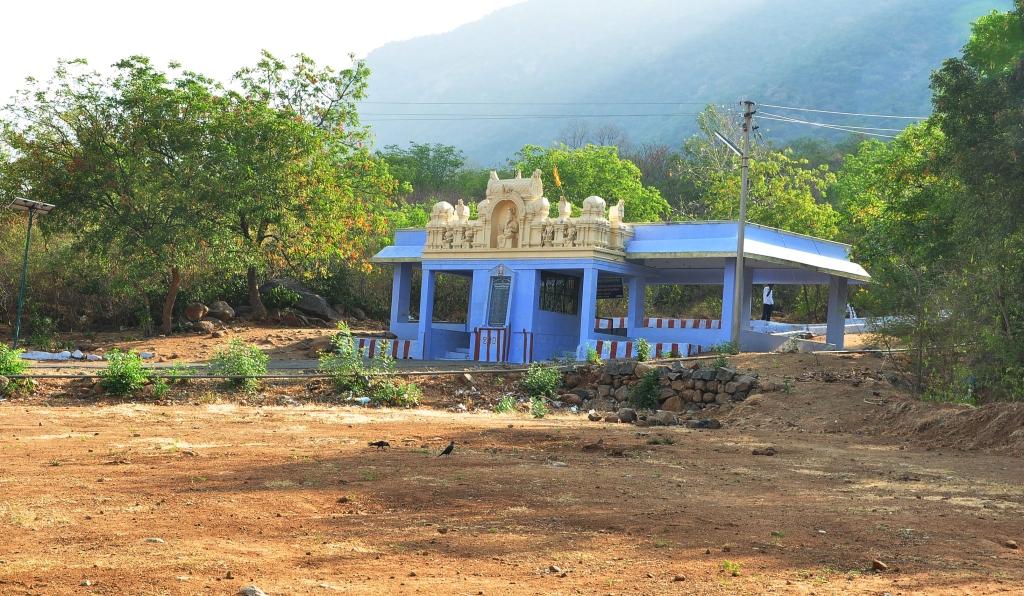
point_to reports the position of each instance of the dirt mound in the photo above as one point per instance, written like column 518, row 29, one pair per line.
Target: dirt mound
column 994, row 426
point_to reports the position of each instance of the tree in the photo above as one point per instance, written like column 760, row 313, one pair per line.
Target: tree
column 594, row 170
column 123, row 159
column 297, row 184
column 430, row 169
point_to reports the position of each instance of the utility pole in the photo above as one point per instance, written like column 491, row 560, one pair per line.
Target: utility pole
column 32, row 208
column 737, row 300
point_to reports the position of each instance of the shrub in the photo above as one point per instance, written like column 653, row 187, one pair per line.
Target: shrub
column 538, row 408
column 11, row 363
column 726, row 347
column 645, row 393
column 593, row 357
column 42, row 333
column 241, row 362
column 394, row 393
column 344, row 364
column 541, row 381
column 160, row 388
column 124, row 374
column 281, row 297
column 720, row 361
column 506, row 405
column 731, row 567
column 643, row 350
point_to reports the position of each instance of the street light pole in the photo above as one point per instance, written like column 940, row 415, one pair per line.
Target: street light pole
column 32, row 207
column 24, row 276
column 740, row 281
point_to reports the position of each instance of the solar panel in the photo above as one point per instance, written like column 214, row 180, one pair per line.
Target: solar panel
column 30, row 205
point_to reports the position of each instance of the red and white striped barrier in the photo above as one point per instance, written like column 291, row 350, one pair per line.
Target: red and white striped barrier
column 370, row 347
column 491, row 344
column 627, row 349
column 659, row 323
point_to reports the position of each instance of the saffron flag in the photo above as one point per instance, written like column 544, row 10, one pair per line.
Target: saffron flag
column 558, row 181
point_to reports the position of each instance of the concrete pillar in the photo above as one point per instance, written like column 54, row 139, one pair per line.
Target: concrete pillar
column 401, row 289
column 748, row 289
column 426, row 312
column 637, row 293
column 835, row 328
column 478, row 299
column 588, row 309
column 525, row 300
column 728, row 285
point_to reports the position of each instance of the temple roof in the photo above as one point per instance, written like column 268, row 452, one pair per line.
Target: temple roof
column 694, row 244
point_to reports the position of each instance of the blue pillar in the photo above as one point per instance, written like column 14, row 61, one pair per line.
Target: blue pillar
column 426, row 312
column 637, row 293
column 728, row 283
column 401, row 288
column 478, row 299
column 525, row 299
column 835, row 327
column 588, row 309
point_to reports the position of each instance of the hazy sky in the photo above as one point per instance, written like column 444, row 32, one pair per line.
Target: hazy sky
column 214, row 37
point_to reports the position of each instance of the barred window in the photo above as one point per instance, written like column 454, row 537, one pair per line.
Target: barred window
column 559, row 293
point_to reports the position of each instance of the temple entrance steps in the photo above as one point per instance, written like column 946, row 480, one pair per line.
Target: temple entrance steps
column 457, row 354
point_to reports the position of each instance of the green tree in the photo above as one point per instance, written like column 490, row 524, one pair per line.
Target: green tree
column 594, row 170
column 123, row 159
column 297, row 186
column 431, row 169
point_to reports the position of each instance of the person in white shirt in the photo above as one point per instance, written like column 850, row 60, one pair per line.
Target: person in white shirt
column 767, row 303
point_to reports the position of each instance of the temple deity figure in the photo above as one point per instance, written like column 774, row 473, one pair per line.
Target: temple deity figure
column 547, row 236
column 468, row 237
column 447, row 238
column 462, row 211
column 570, row 235
column 509, row 233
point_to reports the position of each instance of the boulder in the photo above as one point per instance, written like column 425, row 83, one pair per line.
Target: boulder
column 673, row 404
column 665, row 417
column 627, row 415
column 678, row 385
column 571, row 398
column 584, row 393
column 642, row 368
column 221, row 310
column 309, row 302
column 708, row 397
column 195, row 311
column 721, row 398
column 725, row 374
column 593, row 416
column 604, row 390
column 611, row 417
column 704, row 423
column 204, row 327
column 731, row 387
column 4, row 382
column 216, row 322
column 622, row 393
column 358, row 314
column 571, row 380
column 745, row 382
column 711, row 386
column 666, row 393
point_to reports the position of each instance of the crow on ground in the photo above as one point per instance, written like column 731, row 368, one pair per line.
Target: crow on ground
column 448, row 450
column 380, row 445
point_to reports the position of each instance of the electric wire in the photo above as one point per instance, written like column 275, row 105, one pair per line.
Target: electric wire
column 769, row 105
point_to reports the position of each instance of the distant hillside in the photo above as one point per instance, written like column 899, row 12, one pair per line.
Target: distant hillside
column 864, row 56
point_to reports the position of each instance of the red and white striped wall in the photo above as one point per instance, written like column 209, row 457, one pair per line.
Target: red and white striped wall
column 491, row 344
column 659, row 323
column 608, row 349
column 400, row 349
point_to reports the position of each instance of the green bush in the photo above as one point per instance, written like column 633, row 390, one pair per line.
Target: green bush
column 124, row 374
column 538, row 408
column 241, row 362
column 643, row 350
column 281, row 297
column 343, row 363
column 506, row 405
column 541, row 380
column 387, row 391
column 645, row 393
column 593, row 357
column 11, row 363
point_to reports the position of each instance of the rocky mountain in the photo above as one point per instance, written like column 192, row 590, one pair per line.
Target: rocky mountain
column 530, row 72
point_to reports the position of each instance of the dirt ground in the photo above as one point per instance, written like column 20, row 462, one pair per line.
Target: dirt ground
column 205, row 498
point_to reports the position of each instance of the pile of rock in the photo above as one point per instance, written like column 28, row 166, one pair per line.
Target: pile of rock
column 683, row 388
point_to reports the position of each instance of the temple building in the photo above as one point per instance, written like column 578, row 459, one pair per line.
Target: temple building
column 535, row 279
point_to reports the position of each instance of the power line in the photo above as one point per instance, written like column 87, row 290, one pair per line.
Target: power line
column 768, row 105
column 432, row 117
column 541, row 103
column 829, row 126
column 832, row 123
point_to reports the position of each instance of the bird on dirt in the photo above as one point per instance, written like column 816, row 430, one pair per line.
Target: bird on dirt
column 448, row 450
column 380, row 445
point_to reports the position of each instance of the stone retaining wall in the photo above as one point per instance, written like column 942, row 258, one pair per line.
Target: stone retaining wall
column 684, row 387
